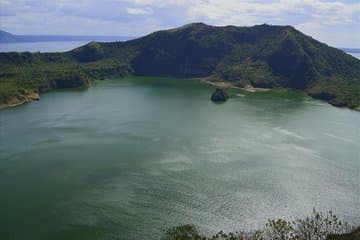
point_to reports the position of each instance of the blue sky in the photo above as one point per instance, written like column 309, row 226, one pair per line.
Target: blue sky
column 335, row 22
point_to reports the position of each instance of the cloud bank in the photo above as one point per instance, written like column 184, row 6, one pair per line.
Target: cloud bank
column 334, row 22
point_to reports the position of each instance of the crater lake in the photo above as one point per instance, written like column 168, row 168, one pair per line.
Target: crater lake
column 129, row 158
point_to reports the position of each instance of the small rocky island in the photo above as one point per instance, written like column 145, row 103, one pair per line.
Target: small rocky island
column 219, row 95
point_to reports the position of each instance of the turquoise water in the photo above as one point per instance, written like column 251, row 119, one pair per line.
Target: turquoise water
column 131, row 157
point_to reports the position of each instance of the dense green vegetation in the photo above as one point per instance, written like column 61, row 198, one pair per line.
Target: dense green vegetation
column 318, row 226
column 261, row 56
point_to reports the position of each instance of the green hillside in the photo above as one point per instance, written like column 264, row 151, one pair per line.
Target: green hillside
column 261, row 56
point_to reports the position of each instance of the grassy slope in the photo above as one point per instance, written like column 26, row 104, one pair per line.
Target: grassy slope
column 263, row 56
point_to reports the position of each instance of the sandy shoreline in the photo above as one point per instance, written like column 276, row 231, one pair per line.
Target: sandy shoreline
column 247, row 88
column 10, row 105
column 20, row 100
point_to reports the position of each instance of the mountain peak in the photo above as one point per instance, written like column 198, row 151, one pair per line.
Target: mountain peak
column 195, row 25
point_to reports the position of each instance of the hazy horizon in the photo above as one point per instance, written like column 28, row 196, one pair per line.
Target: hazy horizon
column 131, row 36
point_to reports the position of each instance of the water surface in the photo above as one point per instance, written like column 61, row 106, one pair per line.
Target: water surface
column 130, row 157
column 41, row 46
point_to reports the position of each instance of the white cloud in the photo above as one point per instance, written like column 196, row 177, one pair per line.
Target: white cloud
column 340, row 36
column 248, row 12
column 163, row 3
column 336, row 23
column 139, row 11
column 319, row 18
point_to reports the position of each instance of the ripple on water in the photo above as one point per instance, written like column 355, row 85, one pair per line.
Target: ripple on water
column 131, row 159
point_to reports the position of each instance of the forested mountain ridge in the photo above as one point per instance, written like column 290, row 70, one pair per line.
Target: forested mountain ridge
column 261, row 56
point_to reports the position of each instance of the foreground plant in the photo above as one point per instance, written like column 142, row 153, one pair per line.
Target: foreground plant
column 318, row 226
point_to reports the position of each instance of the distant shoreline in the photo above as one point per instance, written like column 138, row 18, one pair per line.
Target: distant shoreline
column 6, row 37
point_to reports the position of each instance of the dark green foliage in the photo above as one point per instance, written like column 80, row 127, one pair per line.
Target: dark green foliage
column 318, row 226
column 89, row 53
column 279, row 230
column 185, row 232
column 262, row 56
column 255, row 73
column 354, row 235
column 107, row 68
column 337, row 92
